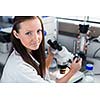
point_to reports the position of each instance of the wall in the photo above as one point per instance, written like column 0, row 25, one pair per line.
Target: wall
column 73, row 28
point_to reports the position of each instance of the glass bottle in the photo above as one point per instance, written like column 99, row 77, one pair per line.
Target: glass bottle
column 89, row 75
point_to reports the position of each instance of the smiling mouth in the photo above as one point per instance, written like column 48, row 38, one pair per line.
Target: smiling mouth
column 34, row 44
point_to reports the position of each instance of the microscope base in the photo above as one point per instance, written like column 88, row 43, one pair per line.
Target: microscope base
column 74, row 79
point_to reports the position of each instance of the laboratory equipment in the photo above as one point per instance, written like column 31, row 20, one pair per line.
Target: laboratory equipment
column 5, row 42
column 83, row 39
column 64, row 59
column 62, row 55
column 89, row 75
column 80, row 46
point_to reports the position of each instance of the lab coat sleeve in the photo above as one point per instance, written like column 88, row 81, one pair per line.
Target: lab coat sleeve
column 29, row 75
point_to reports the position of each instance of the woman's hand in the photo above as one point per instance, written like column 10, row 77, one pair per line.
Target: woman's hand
column 50, row 53
column 49, row 58
column 76, row 66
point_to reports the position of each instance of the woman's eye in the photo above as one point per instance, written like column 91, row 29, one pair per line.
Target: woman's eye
column 39, row 31
column 28, row 33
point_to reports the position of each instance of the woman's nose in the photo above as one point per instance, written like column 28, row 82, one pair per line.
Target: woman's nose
column 35, row 36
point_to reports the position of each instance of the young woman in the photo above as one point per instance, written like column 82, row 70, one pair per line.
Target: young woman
column 27, row 62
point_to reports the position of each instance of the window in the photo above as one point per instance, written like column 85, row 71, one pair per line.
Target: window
column 91, row 20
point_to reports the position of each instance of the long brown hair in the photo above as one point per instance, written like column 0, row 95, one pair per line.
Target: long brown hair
column 39, row 54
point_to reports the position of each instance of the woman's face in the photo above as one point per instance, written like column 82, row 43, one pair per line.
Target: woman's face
column 30, row 34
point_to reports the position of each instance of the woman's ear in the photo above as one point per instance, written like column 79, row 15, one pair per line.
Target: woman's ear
column 16, row 34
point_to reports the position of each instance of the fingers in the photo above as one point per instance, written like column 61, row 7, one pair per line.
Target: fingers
column 80, row 60
column 76, row 60
column 50, row 52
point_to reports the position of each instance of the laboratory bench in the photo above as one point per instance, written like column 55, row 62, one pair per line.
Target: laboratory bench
column 77, row 78
column 97, row 78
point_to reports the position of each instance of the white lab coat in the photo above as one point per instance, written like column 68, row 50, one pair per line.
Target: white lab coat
column 18, row 71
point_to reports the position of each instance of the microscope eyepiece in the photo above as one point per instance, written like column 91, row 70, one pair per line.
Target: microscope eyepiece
column 59, row 48
column 51, row 44
column 54, row 45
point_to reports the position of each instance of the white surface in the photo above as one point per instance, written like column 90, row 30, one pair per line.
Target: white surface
column 88, row 79
column 96, row 79
column 77, row 76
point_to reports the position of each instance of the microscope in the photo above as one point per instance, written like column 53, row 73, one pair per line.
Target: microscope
column 63, row 57
column 82, row 43
column 83, row 38
column 61, row 54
